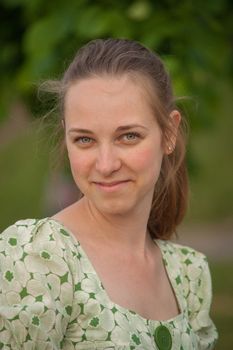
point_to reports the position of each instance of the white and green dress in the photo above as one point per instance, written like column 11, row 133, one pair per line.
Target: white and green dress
column 52, row 298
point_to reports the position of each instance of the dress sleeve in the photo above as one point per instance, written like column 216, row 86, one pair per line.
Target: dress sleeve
column 36, row 289
column 199, row 302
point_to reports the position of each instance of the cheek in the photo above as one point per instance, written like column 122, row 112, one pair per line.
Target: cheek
column 147, row 159
column 79, row 164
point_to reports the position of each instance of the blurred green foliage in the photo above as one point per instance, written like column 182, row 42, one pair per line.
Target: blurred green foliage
column 26, row 168
column 39, row 37
column 222, row 311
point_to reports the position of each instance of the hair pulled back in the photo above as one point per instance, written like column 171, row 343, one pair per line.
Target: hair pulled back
column 118, row 57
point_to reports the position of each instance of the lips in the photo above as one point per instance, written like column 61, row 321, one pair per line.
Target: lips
column 110, row 184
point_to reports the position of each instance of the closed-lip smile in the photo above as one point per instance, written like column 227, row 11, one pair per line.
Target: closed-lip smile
column 110, row 183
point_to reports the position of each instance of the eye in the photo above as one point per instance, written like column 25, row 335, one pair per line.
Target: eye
column 83, row 140
column 131, row 137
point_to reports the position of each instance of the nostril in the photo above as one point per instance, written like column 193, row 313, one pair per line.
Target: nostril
column 108, row 165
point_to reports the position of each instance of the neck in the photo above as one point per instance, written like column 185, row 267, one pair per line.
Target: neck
column 128, row 232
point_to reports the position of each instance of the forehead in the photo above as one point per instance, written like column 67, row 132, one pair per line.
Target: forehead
column 119, row 97
column 107, row 86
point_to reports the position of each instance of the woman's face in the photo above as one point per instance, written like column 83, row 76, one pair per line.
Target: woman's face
column 114, row 143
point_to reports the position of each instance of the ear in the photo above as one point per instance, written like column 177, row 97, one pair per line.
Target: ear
column 63, row 123
column 171, row 135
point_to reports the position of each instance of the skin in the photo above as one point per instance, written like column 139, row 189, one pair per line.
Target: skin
column 107, row 155
column 115, row 149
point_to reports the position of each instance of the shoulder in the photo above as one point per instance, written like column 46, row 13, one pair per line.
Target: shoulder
column 28, row 230
column 188, row 267
column 191, row 272
column 37, row 276
column 36, row 236
column 183, row 254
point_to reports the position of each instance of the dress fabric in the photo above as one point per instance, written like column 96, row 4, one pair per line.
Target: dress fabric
column 52, row 298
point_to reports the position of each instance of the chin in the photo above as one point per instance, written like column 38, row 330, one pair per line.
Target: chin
column 115, row 207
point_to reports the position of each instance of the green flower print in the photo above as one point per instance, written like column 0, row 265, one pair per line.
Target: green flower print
column 52, row 298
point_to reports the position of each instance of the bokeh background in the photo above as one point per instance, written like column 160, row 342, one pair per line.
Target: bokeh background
column 195, row 39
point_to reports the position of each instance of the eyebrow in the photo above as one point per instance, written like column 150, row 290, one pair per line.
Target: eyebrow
column 120, row 128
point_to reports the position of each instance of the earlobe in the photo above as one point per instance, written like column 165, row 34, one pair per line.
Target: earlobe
column 174, row 122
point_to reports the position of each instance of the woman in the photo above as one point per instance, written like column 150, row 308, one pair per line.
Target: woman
column 102, row 273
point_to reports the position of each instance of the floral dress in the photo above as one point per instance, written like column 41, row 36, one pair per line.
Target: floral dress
column 52, row 298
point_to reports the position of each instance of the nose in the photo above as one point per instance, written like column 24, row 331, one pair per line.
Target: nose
column 108, row 160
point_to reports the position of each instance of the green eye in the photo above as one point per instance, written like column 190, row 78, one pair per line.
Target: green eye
column 84, row 140
column 131, row 136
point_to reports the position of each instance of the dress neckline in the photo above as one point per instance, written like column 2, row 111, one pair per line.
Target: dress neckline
column 165, row 256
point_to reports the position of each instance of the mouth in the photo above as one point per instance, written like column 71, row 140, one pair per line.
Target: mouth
column 111, row 186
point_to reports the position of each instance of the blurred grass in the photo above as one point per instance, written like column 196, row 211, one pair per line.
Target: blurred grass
column 211, row 185
column 222, row 308
column 24, row 172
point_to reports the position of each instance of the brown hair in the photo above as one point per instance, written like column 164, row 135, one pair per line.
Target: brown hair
column 118, row 57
